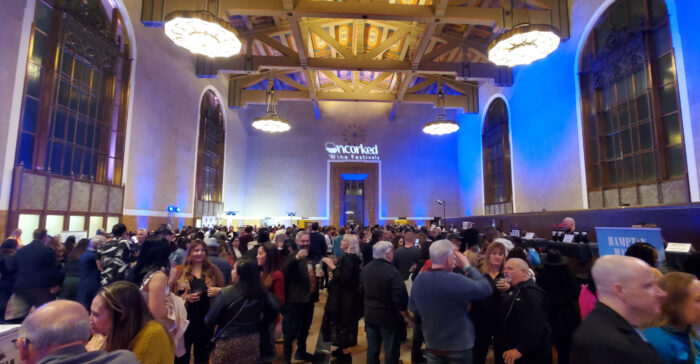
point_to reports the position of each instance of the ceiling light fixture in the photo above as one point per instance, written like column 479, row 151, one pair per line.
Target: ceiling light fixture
column 441, row 126
column 271, row 122
column 202, row 32
column 523, row 44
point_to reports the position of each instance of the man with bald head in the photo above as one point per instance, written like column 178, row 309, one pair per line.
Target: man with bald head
column 525, row 331
column 569, row 225
column 56, row 333
column 627, row 296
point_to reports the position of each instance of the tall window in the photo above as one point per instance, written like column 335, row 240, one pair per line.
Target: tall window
column 632, row 124
column 496, row 151
column 74, row 116
column 210, row 157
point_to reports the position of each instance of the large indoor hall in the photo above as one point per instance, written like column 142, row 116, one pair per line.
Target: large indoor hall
column 349, row 181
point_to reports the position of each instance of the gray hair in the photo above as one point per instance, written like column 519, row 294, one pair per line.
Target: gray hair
column 381, row 249
column 353, row 244
column 440, row 251
column 280, row 235
column 51, row 333
column 97, row 240
column 301, row 233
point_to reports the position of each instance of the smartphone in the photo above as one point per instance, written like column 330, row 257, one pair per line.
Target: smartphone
column 416, row 243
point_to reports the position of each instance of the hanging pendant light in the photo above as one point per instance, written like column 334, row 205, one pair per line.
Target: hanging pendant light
column 271, row 122
column 202, row 32
column 441, row 126
column 523, row 44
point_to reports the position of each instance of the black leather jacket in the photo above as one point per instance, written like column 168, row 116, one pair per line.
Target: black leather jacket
column 250, row 313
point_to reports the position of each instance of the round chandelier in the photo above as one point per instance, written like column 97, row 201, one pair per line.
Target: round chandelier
column 202, row 32
column 441, row 126
column 271, row 122
column 523, row 44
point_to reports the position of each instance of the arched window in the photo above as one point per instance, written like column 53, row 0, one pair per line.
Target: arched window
column 71, row 137
column 210, row 157
column 498, row 197
column 75, row 100
column 632, row 126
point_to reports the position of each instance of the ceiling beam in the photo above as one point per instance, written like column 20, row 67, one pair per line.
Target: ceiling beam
column 423, row 45
column 154, row 11
column 421, row 85
column 376, row 81
column 298, row 40
column 276, row 45
column 337, row 81
column 404, row 87
column 357, row 10
column 289, row 81
column 245, row 97
column 208, row 67
column 439, row 50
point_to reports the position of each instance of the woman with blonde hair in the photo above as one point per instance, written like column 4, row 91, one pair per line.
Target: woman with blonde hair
column 197, row 281
column 344, row 303
column 676, row 337
column 484, row 312
column 120, row 319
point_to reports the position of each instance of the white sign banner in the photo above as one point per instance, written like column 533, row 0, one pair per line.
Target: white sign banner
column 352, row 152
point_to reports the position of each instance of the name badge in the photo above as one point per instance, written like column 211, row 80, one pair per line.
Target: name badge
column 568, row 238
column 529, row 236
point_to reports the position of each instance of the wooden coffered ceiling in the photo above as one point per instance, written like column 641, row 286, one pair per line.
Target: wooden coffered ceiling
column 364, row 50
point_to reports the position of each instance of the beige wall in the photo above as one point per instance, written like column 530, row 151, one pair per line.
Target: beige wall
column 12, row 65
column 164, row 124
column 288, row 172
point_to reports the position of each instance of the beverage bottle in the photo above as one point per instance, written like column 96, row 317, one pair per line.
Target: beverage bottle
column 577, row 235
column 554, row 232
column 561, row 232
column 584, row 235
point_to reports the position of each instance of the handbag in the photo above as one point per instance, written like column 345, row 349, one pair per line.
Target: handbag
column 212, row 342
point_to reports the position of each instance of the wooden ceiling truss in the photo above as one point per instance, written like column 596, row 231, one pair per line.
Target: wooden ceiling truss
column 364, row 50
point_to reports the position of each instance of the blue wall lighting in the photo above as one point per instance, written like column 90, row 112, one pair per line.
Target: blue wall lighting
column 173, row 209
column 354, row 177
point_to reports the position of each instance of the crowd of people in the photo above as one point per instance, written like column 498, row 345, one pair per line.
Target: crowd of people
column 226, row 295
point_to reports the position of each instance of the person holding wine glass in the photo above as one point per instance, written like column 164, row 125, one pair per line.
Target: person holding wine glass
column 197, row 281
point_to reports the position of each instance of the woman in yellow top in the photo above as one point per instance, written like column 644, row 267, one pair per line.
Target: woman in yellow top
column 120, row 319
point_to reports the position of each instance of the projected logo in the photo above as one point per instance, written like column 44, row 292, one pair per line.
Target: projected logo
column 352, row 152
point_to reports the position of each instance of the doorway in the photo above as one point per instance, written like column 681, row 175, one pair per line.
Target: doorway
column 353, row 192
column 353, row 211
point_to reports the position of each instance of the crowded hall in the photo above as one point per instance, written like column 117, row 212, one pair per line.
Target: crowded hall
column 349, row 181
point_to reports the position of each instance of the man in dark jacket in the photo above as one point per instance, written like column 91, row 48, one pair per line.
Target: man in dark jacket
column 386, row 303
column 301, row 292
column 627, row 296
column 318, row 246
column 38, row 277
column 525, row 332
